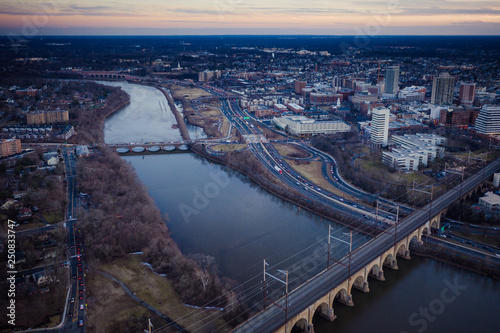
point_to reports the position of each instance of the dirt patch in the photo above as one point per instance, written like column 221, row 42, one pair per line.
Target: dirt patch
column 291, row 150
column 229, row 147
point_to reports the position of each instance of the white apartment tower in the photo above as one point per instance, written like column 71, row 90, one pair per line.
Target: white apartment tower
column 380, row 126
column 488, row 121
column 392, row 80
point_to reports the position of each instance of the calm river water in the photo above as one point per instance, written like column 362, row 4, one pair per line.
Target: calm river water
column 218, row 212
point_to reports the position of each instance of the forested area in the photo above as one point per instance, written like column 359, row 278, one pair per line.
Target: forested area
column 121, row 218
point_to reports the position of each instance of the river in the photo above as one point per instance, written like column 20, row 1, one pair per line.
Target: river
column 218, row 212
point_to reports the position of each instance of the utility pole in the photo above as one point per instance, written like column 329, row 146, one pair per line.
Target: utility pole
column 284, row 308
column 342, row 241
column 150, row 327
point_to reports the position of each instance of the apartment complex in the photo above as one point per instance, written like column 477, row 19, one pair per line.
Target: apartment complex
column 10, row 147
column 209, row 75
column 467, row 93
column 380, row 126
column 442, row 89
column 391, row 80
column 47, row 117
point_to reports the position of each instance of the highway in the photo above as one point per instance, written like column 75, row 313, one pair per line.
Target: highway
column 271, row 159
column 273, row 317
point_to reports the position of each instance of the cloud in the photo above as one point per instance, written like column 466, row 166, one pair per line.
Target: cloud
column 448, row 11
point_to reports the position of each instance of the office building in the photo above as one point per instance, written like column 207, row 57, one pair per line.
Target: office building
column 467, row 92
column 10, row 147
column 391, row 80
column 458, row 117
column 301, row 125
column 380, row 126
column 413, row 150
column 442, row 89
column 488, row 121
column 490, row 202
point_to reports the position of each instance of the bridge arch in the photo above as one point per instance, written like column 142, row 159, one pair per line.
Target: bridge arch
column 343, row 297
column 359, row 281
column 376, row 272
column 387, row 260
column 401, row 251
column 322, row 310
column 301, row 326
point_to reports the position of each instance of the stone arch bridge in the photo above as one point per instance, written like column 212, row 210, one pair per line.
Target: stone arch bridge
column 318, row 295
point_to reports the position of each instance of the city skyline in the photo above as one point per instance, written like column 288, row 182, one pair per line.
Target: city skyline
column 198, row 17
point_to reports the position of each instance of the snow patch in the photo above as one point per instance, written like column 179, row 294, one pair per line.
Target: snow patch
column 151, row 268
column 205, row 307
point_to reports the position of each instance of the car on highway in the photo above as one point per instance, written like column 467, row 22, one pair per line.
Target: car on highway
column 80, row 323
column 81, row 306
column 72, row 300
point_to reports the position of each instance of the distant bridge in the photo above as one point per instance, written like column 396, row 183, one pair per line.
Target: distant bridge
column 319, row 293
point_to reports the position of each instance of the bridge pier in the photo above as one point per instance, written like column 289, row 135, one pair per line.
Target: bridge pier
column 346, row 299
column 406, row 255
column 328, row 315
column 392, row 264
column 363, row 287
column 378, row 276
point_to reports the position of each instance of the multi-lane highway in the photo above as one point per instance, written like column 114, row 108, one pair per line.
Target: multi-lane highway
column 273, row 317
column 278, row 166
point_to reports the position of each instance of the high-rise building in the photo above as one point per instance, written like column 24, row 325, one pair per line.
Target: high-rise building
column 488, row 121
column 391, row 80
column 299, row 85
column 442, row 89
column 338, row 82
column 380, row 126
column 10, row 147
column 467, row 91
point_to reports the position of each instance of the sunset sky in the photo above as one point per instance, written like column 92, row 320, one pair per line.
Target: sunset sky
column 195, row 17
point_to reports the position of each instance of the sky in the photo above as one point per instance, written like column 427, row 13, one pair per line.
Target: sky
column 276, row 17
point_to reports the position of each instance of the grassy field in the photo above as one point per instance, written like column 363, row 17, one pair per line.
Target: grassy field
column 312, row 171
column 229, row 147
column 291, row 150
column 159, row 293
column 378, row 170
column 188, row 93
column 109, row 304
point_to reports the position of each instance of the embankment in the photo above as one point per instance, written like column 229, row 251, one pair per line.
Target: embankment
column 239, row 161
column 488, row 267
column 180, row 120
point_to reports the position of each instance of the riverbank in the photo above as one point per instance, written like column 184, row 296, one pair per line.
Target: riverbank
column 90, row 128
column 444, row 254
column 246, row 163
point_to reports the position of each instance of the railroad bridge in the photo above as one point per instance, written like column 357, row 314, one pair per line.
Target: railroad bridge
column 319, row 294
